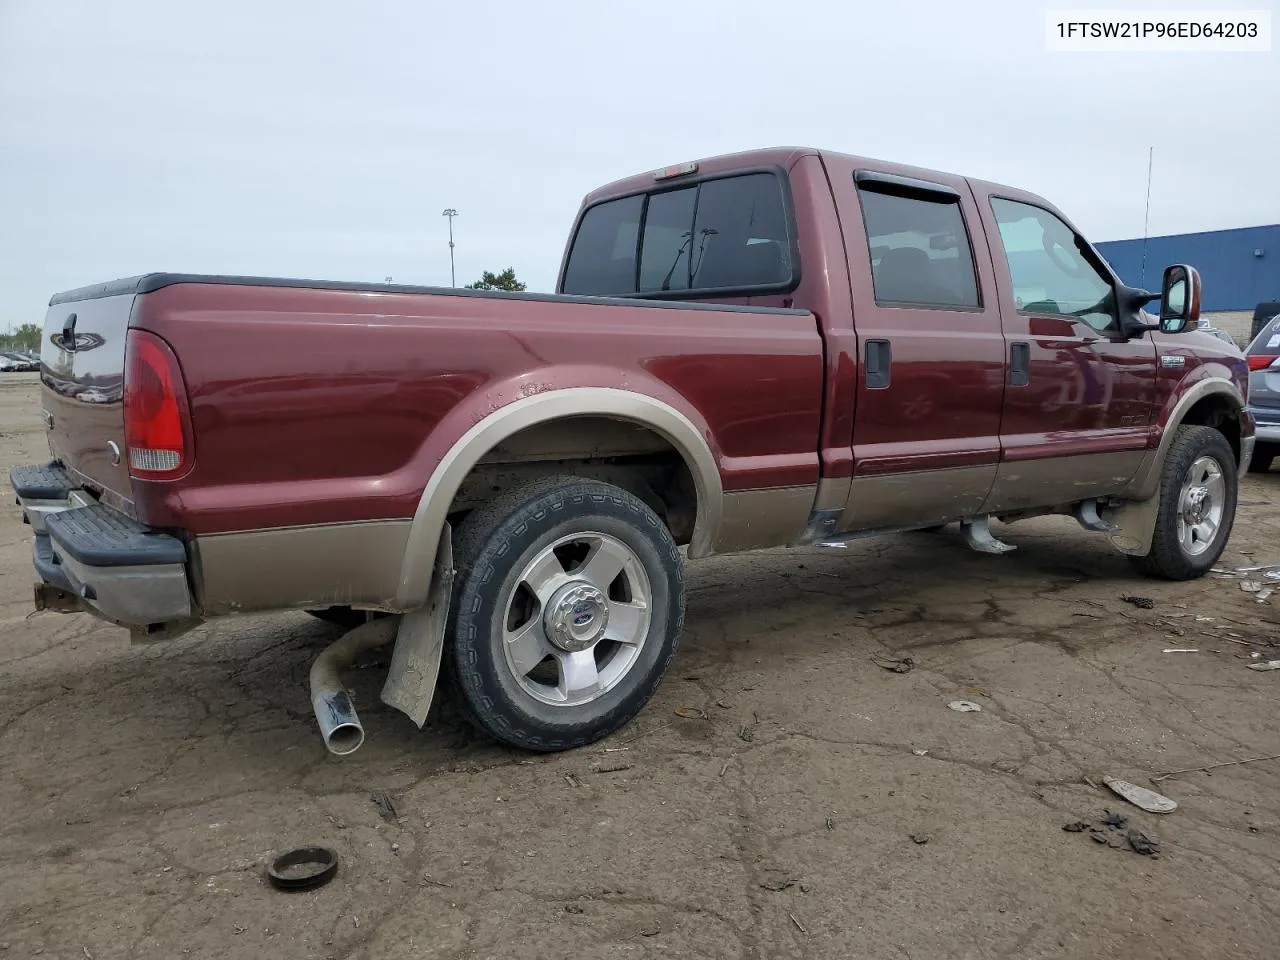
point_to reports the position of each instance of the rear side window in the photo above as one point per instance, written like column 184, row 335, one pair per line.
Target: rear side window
column 920, row 251
column 725, row 236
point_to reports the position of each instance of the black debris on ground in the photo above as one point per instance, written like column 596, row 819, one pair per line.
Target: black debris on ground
column 1106, row 832
column 386, row 805
column 1143, row 844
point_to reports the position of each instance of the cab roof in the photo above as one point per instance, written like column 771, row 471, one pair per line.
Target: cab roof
column 784, row 157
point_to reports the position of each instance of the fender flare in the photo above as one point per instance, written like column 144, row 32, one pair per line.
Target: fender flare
column 433, row 506
column 1146, row 481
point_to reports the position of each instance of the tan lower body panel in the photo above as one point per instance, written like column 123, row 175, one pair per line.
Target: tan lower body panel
column 754, row 519
column 1023, row 484
column 358, row 564
column 915, row 499
column 308, row 567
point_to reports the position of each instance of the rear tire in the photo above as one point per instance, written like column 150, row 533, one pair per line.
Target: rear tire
column 568, row 604
column 1198, row 489
column 1263, row 455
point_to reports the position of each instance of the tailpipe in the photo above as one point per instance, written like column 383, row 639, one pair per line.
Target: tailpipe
column 339, row 726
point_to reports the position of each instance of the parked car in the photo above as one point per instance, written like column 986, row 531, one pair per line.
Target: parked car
column 1206, row 327
column 14, row 360
column 1263, row 356
column 786, row 346
column 1263, row 312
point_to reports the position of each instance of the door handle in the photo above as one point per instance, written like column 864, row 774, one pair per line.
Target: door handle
column 1019, row 364
column 879, row 360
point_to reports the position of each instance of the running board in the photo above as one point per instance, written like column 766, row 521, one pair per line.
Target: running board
column 977, row 534
column 1086, row 514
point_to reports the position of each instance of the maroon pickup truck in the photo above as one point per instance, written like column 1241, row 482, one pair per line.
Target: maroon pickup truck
column 785, row 346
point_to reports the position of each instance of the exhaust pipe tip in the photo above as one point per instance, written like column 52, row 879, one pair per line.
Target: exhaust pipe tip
column 340, row 727
column 345, row 739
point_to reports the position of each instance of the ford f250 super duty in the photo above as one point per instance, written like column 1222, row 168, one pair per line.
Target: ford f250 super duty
column 786, row 346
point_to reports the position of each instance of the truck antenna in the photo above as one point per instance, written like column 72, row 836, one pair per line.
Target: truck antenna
column 1146, row 217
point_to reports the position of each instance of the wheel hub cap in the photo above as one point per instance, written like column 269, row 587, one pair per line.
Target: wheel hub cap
column 1201, row 506
column 577, row 616
column 1198, row 504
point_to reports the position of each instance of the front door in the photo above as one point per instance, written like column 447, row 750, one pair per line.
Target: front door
column 930, row 380
column 1080, row 397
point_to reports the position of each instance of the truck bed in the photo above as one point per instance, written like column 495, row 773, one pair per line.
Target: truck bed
column 320, row 405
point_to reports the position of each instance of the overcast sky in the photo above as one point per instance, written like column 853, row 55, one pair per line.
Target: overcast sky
column 323, row 138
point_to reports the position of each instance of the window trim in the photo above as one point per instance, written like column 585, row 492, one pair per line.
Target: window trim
column 786, row 286
column 1090, row 254
column 923, row 191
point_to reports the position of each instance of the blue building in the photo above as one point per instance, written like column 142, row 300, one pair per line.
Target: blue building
column 1240, row 268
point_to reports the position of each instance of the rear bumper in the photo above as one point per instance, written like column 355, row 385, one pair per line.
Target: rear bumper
column 1267, row 425
column 109, row 563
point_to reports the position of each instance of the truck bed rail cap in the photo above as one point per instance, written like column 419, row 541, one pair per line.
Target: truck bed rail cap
column 150, row 282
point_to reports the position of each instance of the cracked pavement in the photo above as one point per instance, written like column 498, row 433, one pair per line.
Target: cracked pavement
column 144, row 787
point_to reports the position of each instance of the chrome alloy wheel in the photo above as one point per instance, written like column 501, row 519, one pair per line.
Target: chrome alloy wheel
column 576, row 618
column 1201, row 505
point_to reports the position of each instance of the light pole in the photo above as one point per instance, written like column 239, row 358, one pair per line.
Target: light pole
column 451, row 213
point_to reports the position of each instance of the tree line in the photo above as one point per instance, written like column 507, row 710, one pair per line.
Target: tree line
column 26, row 337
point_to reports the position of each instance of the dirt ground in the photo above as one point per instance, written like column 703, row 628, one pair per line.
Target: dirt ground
column 143, row 788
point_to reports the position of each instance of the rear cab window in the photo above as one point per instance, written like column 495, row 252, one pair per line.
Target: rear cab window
column 730, row 235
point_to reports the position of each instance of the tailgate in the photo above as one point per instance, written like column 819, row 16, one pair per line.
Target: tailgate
column 82, row 374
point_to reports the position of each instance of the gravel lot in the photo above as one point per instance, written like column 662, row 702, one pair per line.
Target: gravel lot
column 143, row 787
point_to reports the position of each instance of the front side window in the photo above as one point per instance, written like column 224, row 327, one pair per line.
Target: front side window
column 920, row 253
column 728, row 234
column 1049, row 271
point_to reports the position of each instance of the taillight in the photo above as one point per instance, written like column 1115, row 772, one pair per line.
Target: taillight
column 1260, row 361
column 156, row 425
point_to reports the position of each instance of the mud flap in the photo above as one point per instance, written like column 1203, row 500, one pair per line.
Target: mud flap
column 415, row 661
column 1135, row 525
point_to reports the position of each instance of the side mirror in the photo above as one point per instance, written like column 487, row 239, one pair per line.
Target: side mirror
column 1179, row 298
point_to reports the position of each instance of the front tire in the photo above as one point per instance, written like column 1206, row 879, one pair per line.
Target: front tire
column 1198, row 489
column 568, row 605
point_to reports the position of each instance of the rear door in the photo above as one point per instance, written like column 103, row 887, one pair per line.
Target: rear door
column 82, row 400
column 930, row 381
column 1081, row 397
